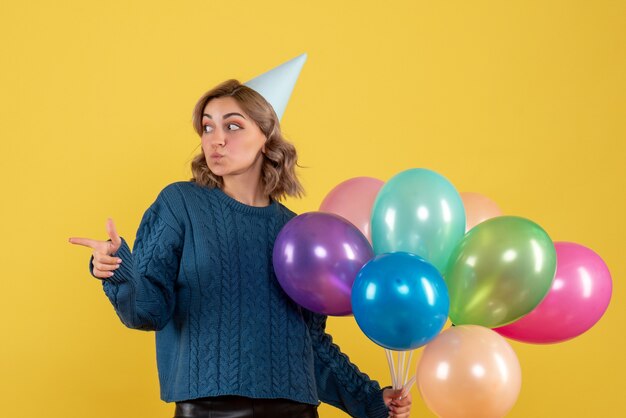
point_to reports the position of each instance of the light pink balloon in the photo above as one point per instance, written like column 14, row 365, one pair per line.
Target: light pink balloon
column 578, row 298
column 353, row 199
column 478, row 208
column 469, row 371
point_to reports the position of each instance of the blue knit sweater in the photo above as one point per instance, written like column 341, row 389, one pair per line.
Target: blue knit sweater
column 200, row 275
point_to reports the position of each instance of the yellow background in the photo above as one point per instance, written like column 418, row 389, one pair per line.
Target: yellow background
column 523, row 101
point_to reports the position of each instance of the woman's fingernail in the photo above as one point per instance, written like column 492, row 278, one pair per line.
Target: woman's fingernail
column 119, row 261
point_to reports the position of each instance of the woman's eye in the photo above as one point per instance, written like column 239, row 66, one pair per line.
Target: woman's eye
column 231, row 127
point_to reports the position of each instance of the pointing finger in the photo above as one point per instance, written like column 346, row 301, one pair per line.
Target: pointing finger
column 86, row 242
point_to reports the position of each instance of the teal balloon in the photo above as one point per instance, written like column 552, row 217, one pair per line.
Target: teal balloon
column 420, row 212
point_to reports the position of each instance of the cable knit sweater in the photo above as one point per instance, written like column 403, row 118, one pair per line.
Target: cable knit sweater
column 200, row 275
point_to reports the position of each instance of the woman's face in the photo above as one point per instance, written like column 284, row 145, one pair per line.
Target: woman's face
column 232, row 142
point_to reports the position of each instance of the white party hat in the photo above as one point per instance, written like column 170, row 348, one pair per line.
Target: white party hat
column 277, row 84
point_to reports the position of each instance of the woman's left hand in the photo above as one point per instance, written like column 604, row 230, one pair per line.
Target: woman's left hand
column 398, row 402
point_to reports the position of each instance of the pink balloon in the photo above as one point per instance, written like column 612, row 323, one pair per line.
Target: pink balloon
column 469, row 371
column 353, row 199
column 478, row 208
column 579, row 296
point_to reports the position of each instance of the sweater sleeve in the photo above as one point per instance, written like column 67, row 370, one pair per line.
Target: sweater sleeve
column 142, row 288
column 339, row 382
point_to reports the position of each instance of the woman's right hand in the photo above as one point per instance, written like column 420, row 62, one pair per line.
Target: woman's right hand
column 103, row 263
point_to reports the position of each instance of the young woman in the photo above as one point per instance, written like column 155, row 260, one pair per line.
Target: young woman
column 230, row 342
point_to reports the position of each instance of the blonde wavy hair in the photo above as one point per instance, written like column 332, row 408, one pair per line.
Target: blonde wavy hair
column 280, row 158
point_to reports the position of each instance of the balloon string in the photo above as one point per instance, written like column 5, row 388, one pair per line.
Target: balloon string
column 388, row 360
column 392, row 367
column 408, row 366
column 401, row 359
column 409, row 384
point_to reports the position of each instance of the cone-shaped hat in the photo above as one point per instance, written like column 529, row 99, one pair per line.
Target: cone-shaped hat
column 277, row 84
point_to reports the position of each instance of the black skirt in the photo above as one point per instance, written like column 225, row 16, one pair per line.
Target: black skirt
column 231, row 406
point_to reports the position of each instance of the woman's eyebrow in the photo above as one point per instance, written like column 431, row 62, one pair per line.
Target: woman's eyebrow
column 226, row 115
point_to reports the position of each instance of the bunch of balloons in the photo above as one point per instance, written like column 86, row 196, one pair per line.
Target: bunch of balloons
column 405, row 254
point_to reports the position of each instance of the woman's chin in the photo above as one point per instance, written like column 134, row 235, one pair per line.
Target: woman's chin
column 218, row 170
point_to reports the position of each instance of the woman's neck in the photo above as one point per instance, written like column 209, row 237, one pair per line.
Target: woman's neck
column 245, row 191
column 246, row 187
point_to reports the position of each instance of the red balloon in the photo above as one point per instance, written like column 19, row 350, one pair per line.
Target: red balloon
column 579, row 296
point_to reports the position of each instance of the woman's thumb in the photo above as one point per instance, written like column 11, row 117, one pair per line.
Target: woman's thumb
column 397, row 393
column 116, row 241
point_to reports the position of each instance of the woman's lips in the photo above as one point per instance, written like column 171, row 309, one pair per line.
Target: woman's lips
column 216, row 155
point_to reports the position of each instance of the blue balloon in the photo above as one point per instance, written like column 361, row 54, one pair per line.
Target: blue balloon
column 400, row 301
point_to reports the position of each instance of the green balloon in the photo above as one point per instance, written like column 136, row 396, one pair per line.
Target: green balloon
column 500, row 271
column 418, row 211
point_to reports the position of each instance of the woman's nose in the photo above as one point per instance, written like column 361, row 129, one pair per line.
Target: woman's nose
column 218, row 139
